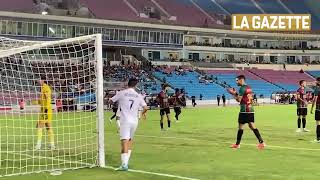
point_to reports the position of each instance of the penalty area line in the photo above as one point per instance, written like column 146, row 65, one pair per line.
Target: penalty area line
column 155, row 173
column 193, row 139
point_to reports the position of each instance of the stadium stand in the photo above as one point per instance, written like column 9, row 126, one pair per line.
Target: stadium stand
column 297, row 6
column 315, row 74
column 22, row 76
column 191, row 82
column 272, row 6
column 17, row 5
column 9, row 68
column 259, row 86
column 140, row 5
column 211, row 7
column 250, row 46
column 120, row 73
column 150, row 85
column 240, row 6
column 144, row 7
column 198, row 13
column 288, row 80
column 186, row 12
column 106, row 9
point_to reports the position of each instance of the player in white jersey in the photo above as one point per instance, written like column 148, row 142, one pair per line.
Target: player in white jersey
column 129, row 102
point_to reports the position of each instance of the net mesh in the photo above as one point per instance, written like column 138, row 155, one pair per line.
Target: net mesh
column 69, row 68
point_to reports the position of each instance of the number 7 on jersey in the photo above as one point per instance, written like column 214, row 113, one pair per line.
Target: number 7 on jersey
column 132, row 102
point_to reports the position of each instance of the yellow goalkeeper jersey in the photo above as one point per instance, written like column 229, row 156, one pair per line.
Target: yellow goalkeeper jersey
column 45, row 98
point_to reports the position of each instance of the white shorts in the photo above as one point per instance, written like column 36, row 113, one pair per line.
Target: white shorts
column 127, row 130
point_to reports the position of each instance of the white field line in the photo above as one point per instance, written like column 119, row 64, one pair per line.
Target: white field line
column 107, row 167
column 193, row 139
column 154, row 173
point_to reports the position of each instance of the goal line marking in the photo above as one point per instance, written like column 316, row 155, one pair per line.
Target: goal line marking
column 154, row 173
column 107, row 167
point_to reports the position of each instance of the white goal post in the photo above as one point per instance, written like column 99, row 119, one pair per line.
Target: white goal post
column 69, row 133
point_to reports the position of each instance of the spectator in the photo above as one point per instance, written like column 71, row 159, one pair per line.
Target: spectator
column 59, row 105
column 21, row 104
column 224, row 100
column 301, row 71
column 255, row 99
column 193, row 100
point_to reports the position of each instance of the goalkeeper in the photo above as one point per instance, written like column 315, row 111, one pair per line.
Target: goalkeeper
column 45, row 115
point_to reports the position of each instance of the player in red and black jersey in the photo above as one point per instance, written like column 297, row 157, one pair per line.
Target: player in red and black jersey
column 302, row 106
column 316, row 101
column 114, row 110
column 163, row 100
column 178, row 103
column 246, row 115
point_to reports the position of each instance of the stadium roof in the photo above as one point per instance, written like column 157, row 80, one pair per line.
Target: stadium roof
column 188, row 13
column 185, row 29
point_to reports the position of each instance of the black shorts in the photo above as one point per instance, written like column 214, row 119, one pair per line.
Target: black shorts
column 302, row 111
column 164, row 111
column 317, row 115
column 246, row 118
column 177, row 109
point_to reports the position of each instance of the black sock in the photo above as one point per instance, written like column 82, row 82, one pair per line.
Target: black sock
column 177, row 115
column 113, row 116
column 318, row 132
column 169, row 123
column 257, row 133
column 161, row 125
column 299, row 123
column 304, row 122
column 239, row 136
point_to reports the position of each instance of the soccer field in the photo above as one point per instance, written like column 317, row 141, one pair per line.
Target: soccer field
column 198, row 148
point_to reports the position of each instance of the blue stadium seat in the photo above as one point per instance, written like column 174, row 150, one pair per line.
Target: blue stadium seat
column 187, row 2
column 272, row 6
column 209, row 91
column 296, row 6
column 259, row 87
column 209, row 6
column 152, row 87
column 300, row 7
column 239, row 6
column 314, row 73
column 289, row 87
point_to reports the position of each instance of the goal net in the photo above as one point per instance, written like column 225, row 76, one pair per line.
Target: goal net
column 51, row 105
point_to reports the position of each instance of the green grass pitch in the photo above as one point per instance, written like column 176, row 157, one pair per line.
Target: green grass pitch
column 198, row 147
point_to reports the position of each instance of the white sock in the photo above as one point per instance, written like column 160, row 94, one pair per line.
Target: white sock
column 127, row 159
column 39, row 142
column 118, row 123
column 124, row 159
